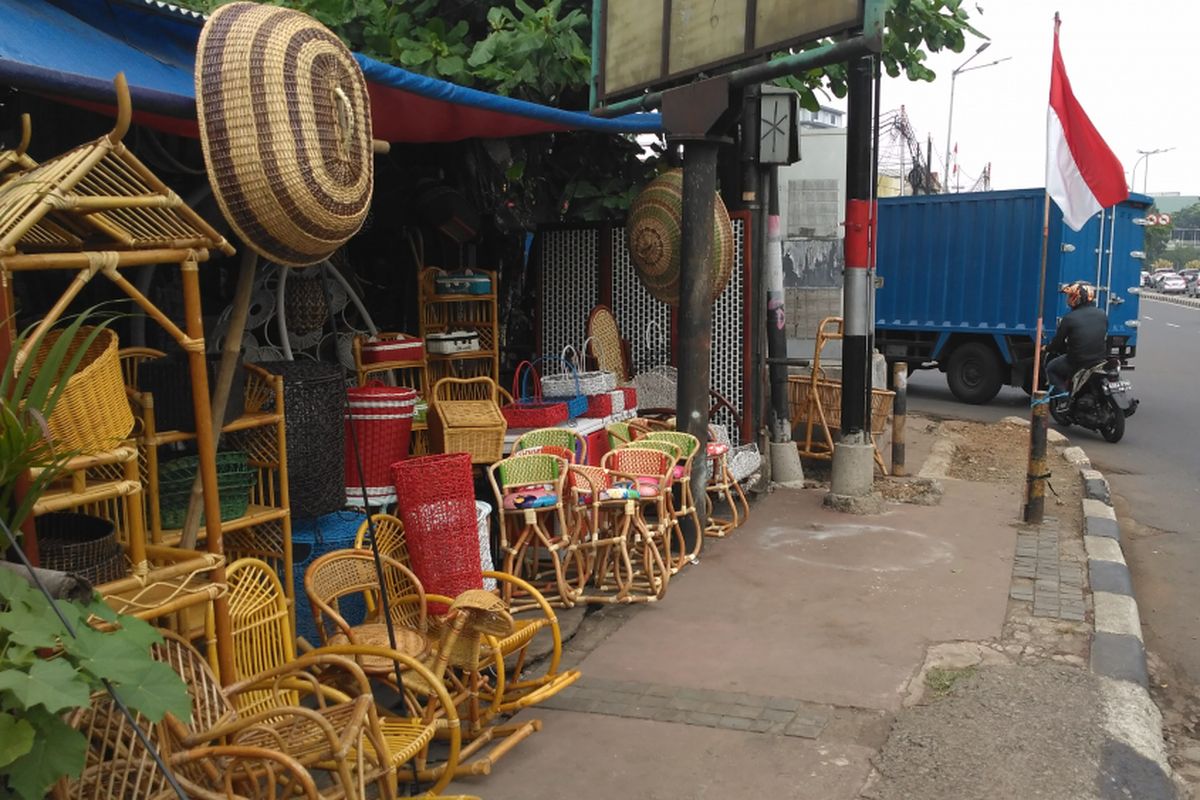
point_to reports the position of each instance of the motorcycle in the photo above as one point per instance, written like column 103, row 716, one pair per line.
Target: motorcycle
column 1100, row 400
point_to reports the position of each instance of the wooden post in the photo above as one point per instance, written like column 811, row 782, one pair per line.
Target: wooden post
column 1035, row 492
column 207, row 455
column 899, row 416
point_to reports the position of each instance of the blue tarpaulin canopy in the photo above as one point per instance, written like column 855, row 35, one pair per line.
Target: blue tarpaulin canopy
column 72, row 49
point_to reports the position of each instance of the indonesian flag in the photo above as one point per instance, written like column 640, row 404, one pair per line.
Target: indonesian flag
column 1082, row 174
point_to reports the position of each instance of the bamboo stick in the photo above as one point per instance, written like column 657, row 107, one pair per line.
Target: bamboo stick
column 124, row 258
column 206, row 452
column 229, row 366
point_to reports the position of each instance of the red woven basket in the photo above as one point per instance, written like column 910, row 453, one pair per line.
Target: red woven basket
column 631, row 398
column 382, row 417
column 600, row 406
column 527, row 409
column 399, row 348
column 436, row 498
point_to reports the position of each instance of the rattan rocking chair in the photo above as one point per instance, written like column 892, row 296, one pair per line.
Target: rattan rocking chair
column 263, row 637
column 513, row 687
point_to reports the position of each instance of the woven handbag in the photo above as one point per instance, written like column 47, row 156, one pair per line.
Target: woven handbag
column 593, row 382
column 564, row 387
column 528, row 409
column 656, row 388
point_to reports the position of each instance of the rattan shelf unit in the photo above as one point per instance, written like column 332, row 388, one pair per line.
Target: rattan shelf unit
column 97, row 210
column 411, row 373
column 477, row 313
column 265, row 530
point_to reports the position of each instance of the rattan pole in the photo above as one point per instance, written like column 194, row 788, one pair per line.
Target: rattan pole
column 124, row 258
column 147, row 305
column 206, row 452
column 52, row 316
column 229, row 366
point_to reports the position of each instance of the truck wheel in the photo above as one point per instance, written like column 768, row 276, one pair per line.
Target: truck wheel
column 974, row 373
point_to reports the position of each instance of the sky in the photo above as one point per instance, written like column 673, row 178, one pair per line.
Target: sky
column 1130, row 65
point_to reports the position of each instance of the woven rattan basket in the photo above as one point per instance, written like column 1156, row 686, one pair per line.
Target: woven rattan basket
column 830, row 394
column 467, row 426
column 92, row 414
column 654, row 228
column 81, row 544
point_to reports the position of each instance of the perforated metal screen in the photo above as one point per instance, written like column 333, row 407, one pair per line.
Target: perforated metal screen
column 570, row 280
column 570, row 288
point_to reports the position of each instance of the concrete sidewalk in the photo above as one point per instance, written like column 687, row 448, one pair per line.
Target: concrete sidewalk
column 773, row 668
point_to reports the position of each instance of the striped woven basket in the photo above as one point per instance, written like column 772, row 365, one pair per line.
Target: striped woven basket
column 654, row 229
column 285, row 124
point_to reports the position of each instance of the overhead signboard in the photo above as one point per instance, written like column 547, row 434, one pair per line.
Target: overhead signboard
column 647, row 44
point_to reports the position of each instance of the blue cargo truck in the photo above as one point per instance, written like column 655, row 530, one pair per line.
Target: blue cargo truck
column 960, row 282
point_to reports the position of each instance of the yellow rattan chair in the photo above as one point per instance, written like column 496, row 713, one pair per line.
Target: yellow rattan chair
column 263, row 639
column 689, row 447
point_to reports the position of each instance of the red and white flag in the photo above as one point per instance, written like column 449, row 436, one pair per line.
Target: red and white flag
column 1082, row 174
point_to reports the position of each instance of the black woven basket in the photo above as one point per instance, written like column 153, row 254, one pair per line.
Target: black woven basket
column 80, row 544
column 170, row 381
column 312, row 409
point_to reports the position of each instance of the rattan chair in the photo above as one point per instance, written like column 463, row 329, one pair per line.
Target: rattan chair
column 685, row 505
column 132, row 358
column 117, row 764
column 514, row 687
column 619, row 433
column 534, row 527
column 722, row 485
column 624, row 559
column 569, row 440
column 262, row 639
column 650, row 471
column 334, row 732
column 672, row 531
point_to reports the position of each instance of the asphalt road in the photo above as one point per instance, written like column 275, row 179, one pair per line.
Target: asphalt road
column 1155, row 470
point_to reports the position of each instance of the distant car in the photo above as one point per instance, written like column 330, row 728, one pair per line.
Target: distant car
column 1146, row 279
column 1172, row 283
column 1193, row 285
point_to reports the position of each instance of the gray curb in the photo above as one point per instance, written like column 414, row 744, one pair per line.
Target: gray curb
column 1178, row 300
column 1136, row 757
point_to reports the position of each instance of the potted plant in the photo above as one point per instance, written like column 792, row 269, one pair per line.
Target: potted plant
column 53, row 657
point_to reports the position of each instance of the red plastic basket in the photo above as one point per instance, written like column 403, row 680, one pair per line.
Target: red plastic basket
column 604, row 405
column 400, row 348
column 382, row 417
column 527, row 409
column 436, row 498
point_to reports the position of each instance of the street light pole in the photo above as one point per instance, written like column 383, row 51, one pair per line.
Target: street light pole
column 1145, row 175
column 953, row 78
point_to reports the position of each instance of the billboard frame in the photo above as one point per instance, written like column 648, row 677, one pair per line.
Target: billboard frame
column 666, row 78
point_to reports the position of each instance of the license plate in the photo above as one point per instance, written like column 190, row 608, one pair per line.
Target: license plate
column 1118, row 386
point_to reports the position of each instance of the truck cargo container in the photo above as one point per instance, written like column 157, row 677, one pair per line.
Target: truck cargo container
column 960, row 276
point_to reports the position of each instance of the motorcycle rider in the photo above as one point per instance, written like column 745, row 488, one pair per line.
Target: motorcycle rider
column 1081, row 339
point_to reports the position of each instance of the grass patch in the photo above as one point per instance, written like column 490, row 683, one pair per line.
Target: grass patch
column 940, row 681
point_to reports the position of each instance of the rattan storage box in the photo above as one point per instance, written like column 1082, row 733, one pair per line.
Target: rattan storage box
column 468, row 426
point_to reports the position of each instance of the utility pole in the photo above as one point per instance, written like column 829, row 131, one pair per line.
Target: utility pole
column 853, row 456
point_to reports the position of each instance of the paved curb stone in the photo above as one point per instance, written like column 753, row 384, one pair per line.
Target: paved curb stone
column 1118, row 652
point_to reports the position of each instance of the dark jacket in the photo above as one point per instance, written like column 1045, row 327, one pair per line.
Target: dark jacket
column 1083, row 336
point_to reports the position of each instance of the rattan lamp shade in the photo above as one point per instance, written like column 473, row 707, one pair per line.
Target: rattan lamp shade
column 286, row 128
column 654, row 228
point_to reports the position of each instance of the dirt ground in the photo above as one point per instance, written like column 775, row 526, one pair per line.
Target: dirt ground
column 994, row 453
column 998, row 732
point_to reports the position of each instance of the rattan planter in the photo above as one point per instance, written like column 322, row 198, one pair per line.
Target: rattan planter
column 81, row 544
column 316, row 436
column 92, row 414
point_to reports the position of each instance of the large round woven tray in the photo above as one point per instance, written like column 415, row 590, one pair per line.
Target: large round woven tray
column 286, row 128
column 654, row 229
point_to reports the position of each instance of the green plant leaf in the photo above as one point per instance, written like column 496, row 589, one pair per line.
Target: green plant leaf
column 415, row 56
column 107, row 655
column 155, row 689
column 36, row 626
column 16, row 738
column 450, row 65
column 53, row 683
column 57, row 750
